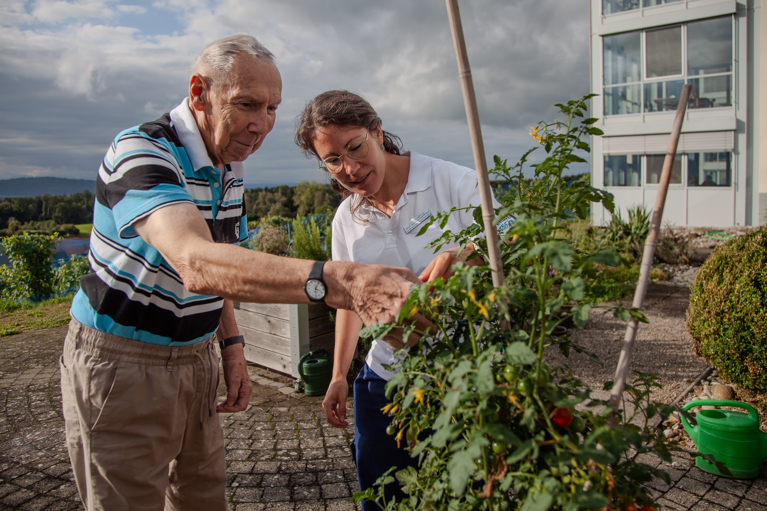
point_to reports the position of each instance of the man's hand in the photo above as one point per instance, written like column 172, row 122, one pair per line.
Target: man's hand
column 237, row 380
column 334, row 403
column 375, row 292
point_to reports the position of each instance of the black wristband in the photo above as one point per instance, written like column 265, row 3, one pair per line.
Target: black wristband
column 237, row 339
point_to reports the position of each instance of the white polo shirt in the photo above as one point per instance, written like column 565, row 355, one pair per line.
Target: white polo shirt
column 433, row 185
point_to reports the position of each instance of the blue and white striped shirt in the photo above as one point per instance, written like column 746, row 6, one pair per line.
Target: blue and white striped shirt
column 134, row 292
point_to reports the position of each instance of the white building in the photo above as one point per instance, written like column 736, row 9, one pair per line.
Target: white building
column 642, row 53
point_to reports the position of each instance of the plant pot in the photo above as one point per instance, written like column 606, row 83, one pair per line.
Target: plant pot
column 278, row 335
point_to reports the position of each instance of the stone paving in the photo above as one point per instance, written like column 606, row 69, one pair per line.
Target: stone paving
column 281, row 455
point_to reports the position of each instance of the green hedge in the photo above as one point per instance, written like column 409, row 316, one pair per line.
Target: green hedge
column 727, row 317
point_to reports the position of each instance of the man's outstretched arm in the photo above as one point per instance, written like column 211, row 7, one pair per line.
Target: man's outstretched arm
column 181, row 235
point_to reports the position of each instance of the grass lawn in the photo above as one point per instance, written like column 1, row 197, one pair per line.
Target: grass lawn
column 16, row 319
column 85, row 230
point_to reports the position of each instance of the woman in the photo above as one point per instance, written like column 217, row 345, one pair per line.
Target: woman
column 388, row 196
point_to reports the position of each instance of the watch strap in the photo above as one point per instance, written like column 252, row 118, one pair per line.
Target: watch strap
column 237, row 339
column 317, row 269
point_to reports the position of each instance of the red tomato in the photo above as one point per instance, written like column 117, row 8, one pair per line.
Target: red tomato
column 563, row 417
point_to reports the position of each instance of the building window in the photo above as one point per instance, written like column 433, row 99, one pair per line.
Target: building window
column 622, row 170
column 644, row 71
column 654, row 163
column 709, row 169
column 700, row 169
column 614, row 6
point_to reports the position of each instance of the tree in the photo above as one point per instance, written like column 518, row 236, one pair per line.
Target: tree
column 311, row 197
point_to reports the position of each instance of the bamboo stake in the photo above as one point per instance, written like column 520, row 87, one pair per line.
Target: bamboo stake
column 624, row 362
column 475, row 131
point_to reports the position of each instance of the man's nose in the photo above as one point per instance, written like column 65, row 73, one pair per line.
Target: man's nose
column 259, row 121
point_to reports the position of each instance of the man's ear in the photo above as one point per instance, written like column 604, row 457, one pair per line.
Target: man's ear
column 196, row 91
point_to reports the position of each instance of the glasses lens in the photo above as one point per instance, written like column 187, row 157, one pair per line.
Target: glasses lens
column 358, row 150
column 332, row 164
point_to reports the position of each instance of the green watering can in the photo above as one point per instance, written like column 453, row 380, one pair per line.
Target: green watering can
column 733, row 438
column 315, row 368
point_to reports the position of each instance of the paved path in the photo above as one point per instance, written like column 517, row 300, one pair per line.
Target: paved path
column 281, row 455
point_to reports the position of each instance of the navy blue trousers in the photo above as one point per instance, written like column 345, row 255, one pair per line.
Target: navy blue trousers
column 374, row 451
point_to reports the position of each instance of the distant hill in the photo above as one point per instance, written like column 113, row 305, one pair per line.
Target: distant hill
column 34, row 186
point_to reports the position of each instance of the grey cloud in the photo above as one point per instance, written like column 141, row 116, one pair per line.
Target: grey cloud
column 73, row 86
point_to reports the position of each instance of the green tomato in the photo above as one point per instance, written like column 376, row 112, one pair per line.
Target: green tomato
column 498, row 447
column 510, row 373
column 578, row 424
column 390, row 429
column 525, row 386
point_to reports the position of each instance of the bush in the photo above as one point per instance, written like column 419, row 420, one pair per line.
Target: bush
column 628, row 236
column 727, row 317
column 271, row 239
column 308, row 242
column 30, row 274
column 67, row 276
column 674, row 247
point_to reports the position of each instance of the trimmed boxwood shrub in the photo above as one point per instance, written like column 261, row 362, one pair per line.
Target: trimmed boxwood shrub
column 727, row 317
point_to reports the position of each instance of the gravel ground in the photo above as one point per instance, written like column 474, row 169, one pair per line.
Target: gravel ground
column 663, row 347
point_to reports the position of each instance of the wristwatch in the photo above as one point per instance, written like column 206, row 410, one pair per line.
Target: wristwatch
column 315, row 287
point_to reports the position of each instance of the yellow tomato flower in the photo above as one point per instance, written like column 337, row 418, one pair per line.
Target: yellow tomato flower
column 491, row 297
column 386, row 408
column 399, row 437
column 483, row 310
column 419, row 395
column 472, row 296
column 514, row 238
column 534, row 133
column 414, row 310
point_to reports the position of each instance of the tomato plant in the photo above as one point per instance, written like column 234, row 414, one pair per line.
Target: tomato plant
column 494, row 426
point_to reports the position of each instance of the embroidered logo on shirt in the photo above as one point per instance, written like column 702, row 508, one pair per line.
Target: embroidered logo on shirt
column 417, row 221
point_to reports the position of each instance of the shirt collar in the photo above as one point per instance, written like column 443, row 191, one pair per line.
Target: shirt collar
column 189, row 134
column 420, row 176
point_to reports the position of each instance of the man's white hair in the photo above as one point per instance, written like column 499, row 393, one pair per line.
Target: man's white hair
column 217, row 59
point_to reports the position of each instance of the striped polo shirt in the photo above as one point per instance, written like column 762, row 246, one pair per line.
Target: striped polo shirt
column 133, row 292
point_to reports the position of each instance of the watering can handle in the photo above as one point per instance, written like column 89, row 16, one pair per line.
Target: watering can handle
column 717, row 402
column 308, row 356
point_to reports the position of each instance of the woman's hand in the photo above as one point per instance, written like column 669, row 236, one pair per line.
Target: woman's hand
column 442, row 265
column 334, row 403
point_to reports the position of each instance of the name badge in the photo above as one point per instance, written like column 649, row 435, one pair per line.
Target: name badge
column 417, row 221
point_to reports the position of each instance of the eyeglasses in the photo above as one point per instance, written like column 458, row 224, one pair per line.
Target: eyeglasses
column 355, row 151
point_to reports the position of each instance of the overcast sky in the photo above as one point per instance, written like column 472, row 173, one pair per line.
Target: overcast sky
column 75, row 73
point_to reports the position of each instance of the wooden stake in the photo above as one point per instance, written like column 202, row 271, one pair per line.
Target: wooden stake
column 624, row 362
column 475, row 131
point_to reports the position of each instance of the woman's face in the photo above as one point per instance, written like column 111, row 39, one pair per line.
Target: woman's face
column 364, row 176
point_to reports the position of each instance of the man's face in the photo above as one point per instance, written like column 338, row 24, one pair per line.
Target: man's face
column 236, row 119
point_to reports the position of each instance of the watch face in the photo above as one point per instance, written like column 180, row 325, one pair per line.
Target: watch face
column 315, row 289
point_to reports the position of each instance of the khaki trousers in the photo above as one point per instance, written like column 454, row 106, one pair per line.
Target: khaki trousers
column 141, row 423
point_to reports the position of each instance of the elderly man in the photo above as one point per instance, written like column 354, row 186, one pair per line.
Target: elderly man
column 139, row 371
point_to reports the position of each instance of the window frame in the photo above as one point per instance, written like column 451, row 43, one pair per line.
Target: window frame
column 684, row 76
column 683, row 158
